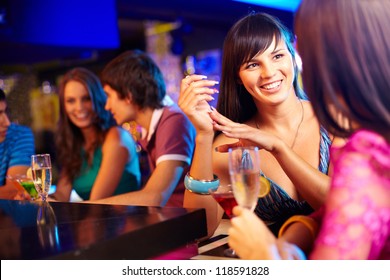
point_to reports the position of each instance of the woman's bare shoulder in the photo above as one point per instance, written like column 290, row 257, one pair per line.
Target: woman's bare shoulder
column 113, row 135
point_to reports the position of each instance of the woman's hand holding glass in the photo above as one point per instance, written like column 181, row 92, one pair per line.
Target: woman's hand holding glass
column 247, row 231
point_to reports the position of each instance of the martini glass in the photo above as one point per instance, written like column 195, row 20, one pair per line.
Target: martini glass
column 24, row 184
column 225, row 198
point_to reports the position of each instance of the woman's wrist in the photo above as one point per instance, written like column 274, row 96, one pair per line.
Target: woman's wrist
column 204, row 138
column 278, row 147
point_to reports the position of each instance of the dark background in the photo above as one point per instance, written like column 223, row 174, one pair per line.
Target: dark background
column 47, row 35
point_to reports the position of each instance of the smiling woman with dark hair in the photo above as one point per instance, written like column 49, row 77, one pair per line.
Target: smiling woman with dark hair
column 345, row 49
column 260, row 104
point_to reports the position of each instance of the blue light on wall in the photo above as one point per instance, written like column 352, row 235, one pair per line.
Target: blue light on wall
column 71, row 23
column 287, row 5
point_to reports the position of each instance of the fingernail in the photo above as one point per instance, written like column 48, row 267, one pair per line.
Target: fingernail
column 212, row 108
column 215, row 90
column 203, row 77
column 216, row 83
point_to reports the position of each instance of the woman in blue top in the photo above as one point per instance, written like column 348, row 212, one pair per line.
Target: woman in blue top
column 96, row 158
column 259, row 104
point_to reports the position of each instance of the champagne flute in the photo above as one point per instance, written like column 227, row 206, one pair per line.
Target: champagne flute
column 41, row 173
column 225, row 198
column 244, row 170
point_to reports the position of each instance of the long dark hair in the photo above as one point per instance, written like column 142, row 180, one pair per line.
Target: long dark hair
column 2, row 95
column 69, row 138
column 249, row 36
column 346, row 62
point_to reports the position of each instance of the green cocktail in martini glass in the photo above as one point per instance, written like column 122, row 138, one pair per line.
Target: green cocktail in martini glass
column 24, row 184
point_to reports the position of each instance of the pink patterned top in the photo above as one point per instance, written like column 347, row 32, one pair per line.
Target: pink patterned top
column 356, row 217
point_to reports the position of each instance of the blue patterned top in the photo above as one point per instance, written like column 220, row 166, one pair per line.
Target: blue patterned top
column 275, row 208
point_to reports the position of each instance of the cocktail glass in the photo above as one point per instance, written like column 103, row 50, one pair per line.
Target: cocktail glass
column 225, row 197
column 24, row 184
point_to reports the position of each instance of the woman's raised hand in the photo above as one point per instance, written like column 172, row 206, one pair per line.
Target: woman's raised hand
column 195, row 93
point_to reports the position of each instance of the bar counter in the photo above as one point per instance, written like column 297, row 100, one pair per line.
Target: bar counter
column 66, row 230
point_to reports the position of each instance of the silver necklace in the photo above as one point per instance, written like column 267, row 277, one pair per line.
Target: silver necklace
column 299, row 125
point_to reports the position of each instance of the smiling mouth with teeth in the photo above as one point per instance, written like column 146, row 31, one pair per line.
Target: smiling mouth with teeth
column 83, row 116
column 272, row 85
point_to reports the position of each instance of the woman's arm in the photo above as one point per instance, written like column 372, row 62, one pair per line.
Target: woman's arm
column 301, row 231
column 114, row 159
column 157, row 190
column 356, row 220
column 63, row 189
column 311, row 183
column 195, row 92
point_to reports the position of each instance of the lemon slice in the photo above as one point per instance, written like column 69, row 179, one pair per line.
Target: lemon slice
column 265, row 187
column 240, row 187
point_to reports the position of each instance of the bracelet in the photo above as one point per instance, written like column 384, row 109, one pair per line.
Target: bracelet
column 200, row 186
column 308, row 222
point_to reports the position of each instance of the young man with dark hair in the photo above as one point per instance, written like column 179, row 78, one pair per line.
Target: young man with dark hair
column 135, row 91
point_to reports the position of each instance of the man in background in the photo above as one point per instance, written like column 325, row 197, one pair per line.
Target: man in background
column 16, row 147
column 136, row 91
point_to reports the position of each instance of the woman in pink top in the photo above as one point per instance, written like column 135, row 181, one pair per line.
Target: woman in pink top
column 345, row 52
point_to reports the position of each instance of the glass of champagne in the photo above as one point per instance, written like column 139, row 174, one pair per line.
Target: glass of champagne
column 41, row 174
column 244, row 170
column 225, row 198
